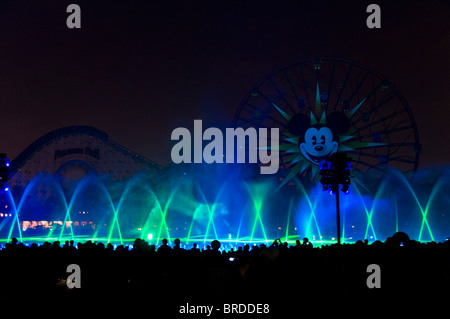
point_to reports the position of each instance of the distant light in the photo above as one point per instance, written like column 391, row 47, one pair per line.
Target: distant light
column 7, row 164
column 150, row 236
column 346, row 189
column 6, row 189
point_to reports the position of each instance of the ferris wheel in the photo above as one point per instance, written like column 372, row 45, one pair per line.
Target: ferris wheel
column 327, row 105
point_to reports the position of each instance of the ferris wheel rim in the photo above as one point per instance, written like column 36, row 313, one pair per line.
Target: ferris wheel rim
column 334, row 60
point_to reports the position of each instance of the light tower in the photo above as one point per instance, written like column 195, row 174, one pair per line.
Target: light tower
column 334, row 172
column 4, row 172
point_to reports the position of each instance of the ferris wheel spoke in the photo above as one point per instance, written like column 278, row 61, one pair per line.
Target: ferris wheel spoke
column 288, row 79
column 389, row 158
column 376, row 167
column 381, row 145
column 386, row 132
column 305, row 85
column 376, row 88
column 375, row 108
column 281, row 95
column 358, row 86
column 343, row 85
column 403, row 160
column 378, row 121
column 249, row 121
column 403, row 144
column 330, row 82
column 378, row 106
column 270, row 102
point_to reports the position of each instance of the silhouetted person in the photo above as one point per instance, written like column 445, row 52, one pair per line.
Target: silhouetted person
column 177, row 248
column 215, row 245
column 194, row 249
column 164, row 249
column 306, row 242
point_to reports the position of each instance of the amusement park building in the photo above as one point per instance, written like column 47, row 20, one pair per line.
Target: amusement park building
column 74, row 151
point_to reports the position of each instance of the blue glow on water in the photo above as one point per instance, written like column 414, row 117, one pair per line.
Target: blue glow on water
column 231, row 204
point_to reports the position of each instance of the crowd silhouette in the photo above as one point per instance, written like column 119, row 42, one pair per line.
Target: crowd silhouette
column 249, row 273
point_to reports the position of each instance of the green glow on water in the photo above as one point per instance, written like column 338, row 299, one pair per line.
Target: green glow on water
column 239, row 229
column 423, row 212
column 368, row 213
column 192, row 224
column 257, row 193
column 67, row 214
column 210, row 211
column 291, row 204
column 237, row 211
column 15, row 220
column 257, row 206
column 163, row 213
column 17, row 223
column 68, row 208
column 312, row 208
column 119, row 206
column 436, row 187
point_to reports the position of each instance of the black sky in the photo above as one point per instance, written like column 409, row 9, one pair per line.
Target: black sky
column 139, row 69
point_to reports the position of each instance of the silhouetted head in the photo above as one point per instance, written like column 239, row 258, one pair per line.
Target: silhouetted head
column 177, row 242
column 164, row 241
column 215, row 244
column 401, row 237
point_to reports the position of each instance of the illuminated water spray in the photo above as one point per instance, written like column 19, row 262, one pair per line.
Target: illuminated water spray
column 230, row 210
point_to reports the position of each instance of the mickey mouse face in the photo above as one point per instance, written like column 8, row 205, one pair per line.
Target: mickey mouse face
column 318, row 141
column 318, row 144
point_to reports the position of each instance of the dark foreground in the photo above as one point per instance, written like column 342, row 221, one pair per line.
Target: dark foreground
column 278, row 278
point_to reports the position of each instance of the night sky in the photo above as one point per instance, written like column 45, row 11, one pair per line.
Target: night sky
column 139, row 69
